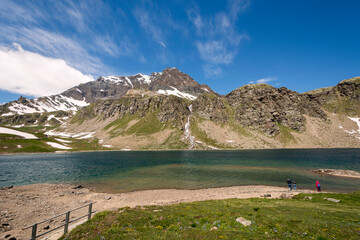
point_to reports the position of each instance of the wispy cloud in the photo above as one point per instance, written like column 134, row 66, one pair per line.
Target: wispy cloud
column 39, row 27
column 32, row 74
column 264, row 80
column 217, row 36
column 146, row 21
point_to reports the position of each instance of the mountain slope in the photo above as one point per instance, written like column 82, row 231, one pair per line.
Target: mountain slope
column 170, row 110
column 168, row 82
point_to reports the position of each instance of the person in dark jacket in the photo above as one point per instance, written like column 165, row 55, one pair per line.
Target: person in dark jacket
column 294, row 184
column 289, row 184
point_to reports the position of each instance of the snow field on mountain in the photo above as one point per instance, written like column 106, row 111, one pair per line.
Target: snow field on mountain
column 17, row 133
column 57, row 145
column 177, row 93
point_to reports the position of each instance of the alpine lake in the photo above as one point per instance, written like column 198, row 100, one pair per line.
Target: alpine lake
column 125, row 171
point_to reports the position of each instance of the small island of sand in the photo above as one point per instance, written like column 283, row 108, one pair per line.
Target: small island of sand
column 338, row 172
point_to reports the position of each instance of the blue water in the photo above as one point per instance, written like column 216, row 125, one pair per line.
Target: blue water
column 139, row 170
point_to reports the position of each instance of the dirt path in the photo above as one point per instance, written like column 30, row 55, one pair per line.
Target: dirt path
column 24, row 205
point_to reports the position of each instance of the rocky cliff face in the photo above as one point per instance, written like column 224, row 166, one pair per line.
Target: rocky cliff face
column 263, row 107
column 255, row 115
column 170, row 81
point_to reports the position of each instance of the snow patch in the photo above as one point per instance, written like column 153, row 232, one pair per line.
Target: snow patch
column 205, row 89
column 177, row 93
column 128, row 80
column 144, row 78
column 7, row 114
column 17, row 133
column 79, row 90
column 57, row 145
column 230, row 141
column 107, row 146
column 212, row 148
column 82, row 135
column 62, row 140
column 125, row 149
column 357, row 120
column 47, row 104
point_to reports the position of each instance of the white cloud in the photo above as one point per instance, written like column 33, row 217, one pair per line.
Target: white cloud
column 264, row 80
column 215, row 52
column 32, row 74
column 218, row 36
column 212, row 71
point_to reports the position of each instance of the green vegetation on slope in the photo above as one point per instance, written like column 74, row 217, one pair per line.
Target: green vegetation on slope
column 285, row 136
column 201, row 135
column 297, row 218
column 16, row 144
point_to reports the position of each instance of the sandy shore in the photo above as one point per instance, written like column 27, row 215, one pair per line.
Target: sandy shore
column 338, row 172
column 24, row 205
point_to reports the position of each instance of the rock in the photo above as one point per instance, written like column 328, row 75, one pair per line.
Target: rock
column 306, row 197
column 78, row 187
column 332, row 200
column 284, row 196
column 243, row 221
column 6, row 188
column 47, row 227
column 82, row 201
column 213, row 228
column 7, row 235
column 12, row 238
column 267, row 195
column 107, row 197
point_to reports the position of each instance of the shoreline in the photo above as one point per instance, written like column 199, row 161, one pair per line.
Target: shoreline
column 171, row 150
column 24, row 205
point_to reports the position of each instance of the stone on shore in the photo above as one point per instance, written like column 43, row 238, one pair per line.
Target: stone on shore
column 243, row 221
column 332, row 200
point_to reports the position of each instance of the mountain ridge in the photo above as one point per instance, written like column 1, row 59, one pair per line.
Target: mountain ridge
column 170, row 110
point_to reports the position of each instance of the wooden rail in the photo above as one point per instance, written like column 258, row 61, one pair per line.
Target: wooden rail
column 65, row 225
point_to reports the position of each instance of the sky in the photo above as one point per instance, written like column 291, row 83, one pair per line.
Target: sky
column 48, row 46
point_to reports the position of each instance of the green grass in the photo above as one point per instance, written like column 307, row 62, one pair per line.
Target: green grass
column 9, row 143
column 147, row 125
column 201, row 135
column 297, row 218
column 285, row 136
column 171, row 143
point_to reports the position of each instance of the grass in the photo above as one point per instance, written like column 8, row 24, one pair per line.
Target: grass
column 171, row 143
column 285, row 136
column 15, row 144
column 147, row 125
column 297, row 218
column 201, row 135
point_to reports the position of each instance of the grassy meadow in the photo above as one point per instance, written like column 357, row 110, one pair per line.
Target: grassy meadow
column 296, row 218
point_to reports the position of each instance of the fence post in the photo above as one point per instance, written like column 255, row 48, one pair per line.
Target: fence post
column 90, row 210
column 67, row 218
column 33, row 232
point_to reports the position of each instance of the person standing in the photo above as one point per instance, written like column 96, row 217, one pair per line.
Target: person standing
column 318, row 186
column 289, row 184
column 294, row 184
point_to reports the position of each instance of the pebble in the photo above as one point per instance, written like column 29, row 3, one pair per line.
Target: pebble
column 107, row 197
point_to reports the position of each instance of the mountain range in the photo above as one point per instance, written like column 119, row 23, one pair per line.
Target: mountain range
column 170, row 110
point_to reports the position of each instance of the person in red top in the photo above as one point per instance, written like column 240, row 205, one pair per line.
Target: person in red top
column 318, row 186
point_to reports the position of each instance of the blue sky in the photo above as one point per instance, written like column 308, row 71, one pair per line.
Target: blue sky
column 49, row 46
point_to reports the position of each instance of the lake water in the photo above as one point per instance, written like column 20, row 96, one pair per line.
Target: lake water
column 139, row 170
